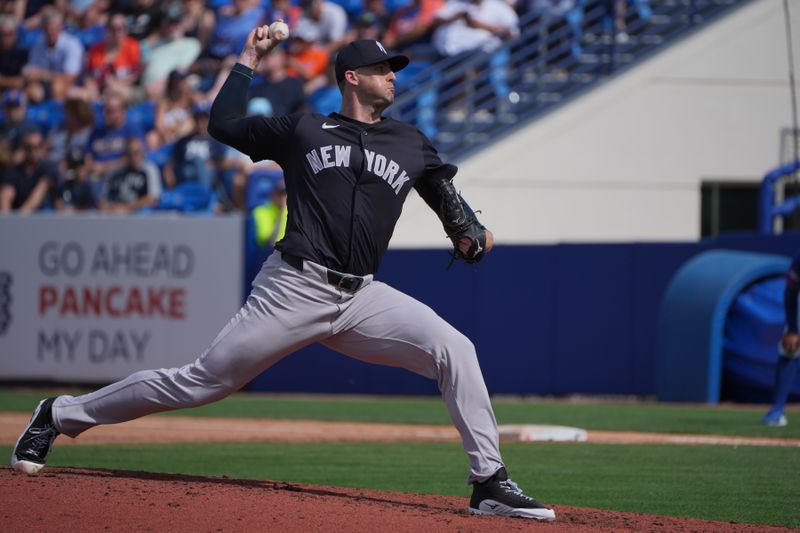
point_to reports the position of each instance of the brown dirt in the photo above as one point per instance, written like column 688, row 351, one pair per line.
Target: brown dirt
column 172, row 429
column 66, row 499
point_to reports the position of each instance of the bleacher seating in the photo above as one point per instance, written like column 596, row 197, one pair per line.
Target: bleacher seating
column 545, row 70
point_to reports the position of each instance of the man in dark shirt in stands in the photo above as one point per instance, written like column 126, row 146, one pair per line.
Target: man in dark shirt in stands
column 134, row 186
column 285, row 93
column 26, row 186
column 196, row 157
column 12, row 56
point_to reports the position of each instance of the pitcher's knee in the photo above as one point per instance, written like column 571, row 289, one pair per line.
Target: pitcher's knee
column 459, row 353
column 192, row 386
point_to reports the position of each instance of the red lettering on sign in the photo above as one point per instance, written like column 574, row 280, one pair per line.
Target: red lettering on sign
column 176, row 303
column 110, row 309
column 92, row 301
column 113, row 301
column 48, row 297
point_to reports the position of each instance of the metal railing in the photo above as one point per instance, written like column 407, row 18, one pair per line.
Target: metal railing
column 464, row 104
column 770, row 206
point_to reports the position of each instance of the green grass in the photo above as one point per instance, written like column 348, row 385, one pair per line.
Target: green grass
column 648, row 417
column 745, row 484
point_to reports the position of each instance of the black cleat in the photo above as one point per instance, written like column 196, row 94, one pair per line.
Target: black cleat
column 30, row 452
column 500, row 496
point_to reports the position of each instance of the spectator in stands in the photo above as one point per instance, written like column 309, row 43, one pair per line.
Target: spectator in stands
column 330, row 21
column 75, row 191
column 411, row 27
column 307, row 61
column 87, row 23
column 115, row 63
column 286, row 11
column 174, row 111
column 134, row 186
column 270, row 218
column 15, row 124
column 285, row 93
column 224, row 35
column 74, row 133
column 197, row 157
column 170, row 49
column 143, row 17
column 194, row 13
column 107, row 143
column 378, row 9
column 26, row 186
column 474, row 25
column 367, row 26
column 13, row 56
column 56, row 58
column 46, row 113
column 469, row 27
column 614, row 16
column 555, row 32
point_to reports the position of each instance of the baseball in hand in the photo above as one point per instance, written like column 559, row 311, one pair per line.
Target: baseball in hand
column 279, row 31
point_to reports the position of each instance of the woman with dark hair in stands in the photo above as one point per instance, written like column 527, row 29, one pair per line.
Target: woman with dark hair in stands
column 174, row 112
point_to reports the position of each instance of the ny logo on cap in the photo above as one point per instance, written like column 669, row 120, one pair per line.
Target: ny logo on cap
column 382, row 48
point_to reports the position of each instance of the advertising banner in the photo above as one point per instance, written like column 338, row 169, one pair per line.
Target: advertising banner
column 93, row 298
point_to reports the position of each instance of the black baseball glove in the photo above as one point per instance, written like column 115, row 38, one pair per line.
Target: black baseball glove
column 463, row 229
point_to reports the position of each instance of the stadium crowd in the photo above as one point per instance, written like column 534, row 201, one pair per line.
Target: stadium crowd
column 105, row 103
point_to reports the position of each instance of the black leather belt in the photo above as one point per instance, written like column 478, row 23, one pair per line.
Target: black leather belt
column 343, row 281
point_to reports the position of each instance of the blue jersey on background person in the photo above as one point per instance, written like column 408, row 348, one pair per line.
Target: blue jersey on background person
column 789, row 349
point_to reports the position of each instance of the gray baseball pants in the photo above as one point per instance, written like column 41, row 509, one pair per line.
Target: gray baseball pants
column 286, row 310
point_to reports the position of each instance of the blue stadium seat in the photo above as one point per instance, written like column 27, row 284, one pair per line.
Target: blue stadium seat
column 325, row 100
column 143, row 115
column 393, row 5
column 188, row 197
column 259, row 186
column 161, row 155
column 48, row 115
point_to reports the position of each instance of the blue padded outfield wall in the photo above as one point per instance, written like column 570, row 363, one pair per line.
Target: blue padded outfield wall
column 546, row 320
column 694, row 315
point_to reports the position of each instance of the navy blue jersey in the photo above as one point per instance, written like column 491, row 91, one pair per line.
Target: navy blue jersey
column 346, row 180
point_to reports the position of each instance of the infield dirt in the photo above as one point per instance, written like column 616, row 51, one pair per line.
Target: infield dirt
column 67, row 499
column 71, row 499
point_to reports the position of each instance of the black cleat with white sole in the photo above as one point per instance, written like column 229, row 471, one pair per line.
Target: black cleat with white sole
column 30, row 452
column 500, row 496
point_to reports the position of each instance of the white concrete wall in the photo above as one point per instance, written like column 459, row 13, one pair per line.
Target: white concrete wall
column 625, row 162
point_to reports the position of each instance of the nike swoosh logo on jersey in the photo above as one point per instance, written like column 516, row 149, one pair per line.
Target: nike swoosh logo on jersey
column 326, row 126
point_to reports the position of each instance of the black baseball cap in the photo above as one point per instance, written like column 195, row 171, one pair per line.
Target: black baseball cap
column 366, row 52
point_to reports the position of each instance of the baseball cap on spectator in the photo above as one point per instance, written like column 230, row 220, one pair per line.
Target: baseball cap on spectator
column 363, row 53
column 13, row 97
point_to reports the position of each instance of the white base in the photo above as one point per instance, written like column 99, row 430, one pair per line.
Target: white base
column 533, row 432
